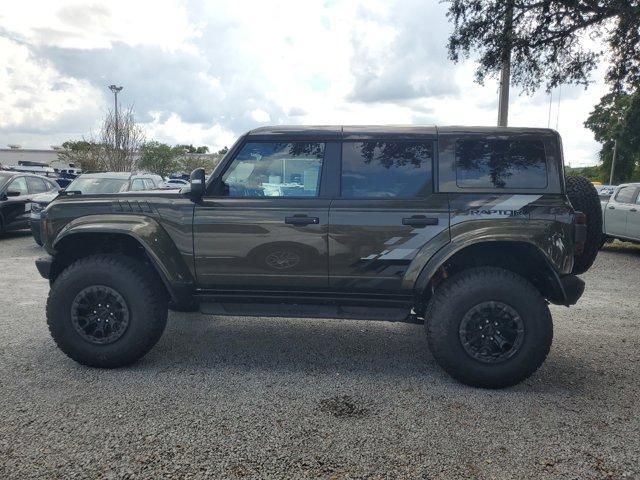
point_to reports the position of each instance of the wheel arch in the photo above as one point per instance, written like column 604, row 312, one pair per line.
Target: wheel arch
column 519, row 256
column 143, row 238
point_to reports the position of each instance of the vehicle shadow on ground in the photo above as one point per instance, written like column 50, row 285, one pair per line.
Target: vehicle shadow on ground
column 196, row 343
column 16, row 234
column 294, row 344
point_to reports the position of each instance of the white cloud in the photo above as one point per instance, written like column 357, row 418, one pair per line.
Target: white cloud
column 81, row 25
column 174, row 130
column 36, row 98
column 260, row 116
column 206, row 71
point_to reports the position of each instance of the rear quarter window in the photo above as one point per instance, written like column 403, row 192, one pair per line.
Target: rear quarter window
column 500, row 163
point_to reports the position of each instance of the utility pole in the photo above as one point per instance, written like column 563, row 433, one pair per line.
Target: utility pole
column 115, row 91
column 505, row 74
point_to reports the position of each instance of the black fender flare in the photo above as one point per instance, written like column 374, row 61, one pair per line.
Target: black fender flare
column 555, row 291
column 151, row 236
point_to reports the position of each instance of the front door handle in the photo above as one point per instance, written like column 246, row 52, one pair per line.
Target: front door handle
column 419, row 221
column 302, row 220
column 633, row 210
column 612, row 207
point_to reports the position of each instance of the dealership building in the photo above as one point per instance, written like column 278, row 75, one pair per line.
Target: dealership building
column 16, row 156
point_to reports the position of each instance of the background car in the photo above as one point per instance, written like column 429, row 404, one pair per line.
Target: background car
column 174, row 183
column 621, row 214
column 113, row 182
column 16, row 192
column 38, row 204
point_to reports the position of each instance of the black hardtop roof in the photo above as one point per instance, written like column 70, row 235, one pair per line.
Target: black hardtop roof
column 360, row 131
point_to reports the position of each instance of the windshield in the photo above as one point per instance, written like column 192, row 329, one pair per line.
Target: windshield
column 90, row 186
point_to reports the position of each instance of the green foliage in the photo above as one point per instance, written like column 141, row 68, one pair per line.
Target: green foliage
column 159, row 158
column 191, row 149
column 547, row 39
column 617, row 117
column 594, row 174
column 87, row 155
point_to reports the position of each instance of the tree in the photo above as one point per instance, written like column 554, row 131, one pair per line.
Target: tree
column 547, row 40
column 88, row 155
column 617, row 117
column 223, row 151
column 191, row 149
column 121, row 139
column 159, row 158
column 191, row 161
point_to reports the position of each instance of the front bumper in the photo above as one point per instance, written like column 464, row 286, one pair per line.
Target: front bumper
column 44, row 264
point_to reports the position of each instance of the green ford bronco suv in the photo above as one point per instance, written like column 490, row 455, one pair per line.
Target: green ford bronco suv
column 473, row 231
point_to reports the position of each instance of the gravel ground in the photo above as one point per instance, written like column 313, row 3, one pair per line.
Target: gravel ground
column 237, row 397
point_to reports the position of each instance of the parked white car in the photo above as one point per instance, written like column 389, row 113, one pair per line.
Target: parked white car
column 175, row 183
column 621, row 214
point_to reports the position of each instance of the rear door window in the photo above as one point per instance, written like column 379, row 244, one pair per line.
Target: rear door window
column 37, row 185
column 500, row 163
column 383, row 169
column 137, row 185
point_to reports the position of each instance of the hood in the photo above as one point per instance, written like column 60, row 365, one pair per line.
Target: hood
column 46, row 197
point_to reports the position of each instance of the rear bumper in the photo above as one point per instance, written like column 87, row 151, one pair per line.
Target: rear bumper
column 43, row 264
column 573, row 288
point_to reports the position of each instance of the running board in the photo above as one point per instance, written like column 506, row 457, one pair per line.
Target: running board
column 389, row 314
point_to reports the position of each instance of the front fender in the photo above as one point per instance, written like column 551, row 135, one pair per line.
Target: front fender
column 158, row 245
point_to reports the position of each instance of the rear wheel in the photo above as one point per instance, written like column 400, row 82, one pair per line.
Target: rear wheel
column 106, row 310
column 584, row 198
column 488, row 327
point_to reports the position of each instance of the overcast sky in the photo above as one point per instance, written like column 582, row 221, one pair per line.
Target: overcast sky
column 203, row 72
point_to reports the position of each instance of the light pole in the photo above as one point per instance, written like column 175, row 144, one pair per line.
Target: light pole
column 115, row 91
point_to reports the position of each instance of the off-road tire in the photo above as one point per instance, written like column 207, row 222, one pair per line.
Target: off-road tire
column 462, row 292
column 140, row 288
column 584, row 198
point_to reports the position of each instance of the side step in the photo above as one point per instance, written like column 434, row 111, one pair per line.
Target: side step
column 389, row 314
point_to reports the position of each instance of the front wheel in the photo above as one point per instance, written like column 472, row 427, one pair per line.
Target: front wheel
column 106, row 310
column 488, row 327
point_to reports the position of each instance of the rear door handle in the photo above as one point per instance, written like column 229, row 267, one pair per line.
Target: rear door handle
column 612, row 207
column 633, row 210
column 302, row 220
column 419, row 221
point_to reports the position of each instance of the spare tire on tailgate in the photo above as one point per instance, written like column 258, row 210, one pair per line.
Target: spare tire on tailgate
column 584, row 198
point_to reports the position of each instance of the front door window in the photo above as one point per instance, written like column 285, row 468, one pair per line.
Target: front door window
column 274, row 169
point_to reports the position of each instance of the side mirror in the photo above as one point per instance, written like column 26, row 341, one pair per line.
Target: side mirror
column 13, row 193
column 197, row 183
